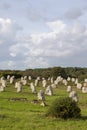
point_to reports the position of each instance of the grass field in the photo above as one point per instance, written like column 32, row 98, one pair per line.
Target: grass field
column 24, row 115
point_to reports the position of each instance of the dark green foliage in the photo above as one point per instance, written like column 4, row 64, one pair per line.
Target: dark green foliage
column 13, row 74
column 46, row 72
column 75, row 72
column 64, row 108
column 58, row 71
column 16, row 73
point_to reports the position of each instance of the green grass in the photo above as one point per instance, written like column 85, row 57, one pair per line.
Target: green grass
column 23, row 115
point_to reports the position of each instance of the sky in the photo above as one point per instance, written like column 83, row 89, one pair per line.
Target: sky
column 43, row 33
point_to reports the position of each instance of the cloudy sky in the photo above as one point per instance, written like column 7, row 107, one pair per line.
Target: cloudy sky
column 43, row 33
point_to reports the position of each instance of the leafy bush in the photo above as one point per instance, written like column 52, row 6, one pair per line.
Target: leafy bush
column 64, row 108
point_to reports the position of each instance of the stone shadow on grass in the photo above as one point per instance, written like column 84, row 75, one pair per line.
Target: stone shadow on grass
column 3, row 116
column 83, row 118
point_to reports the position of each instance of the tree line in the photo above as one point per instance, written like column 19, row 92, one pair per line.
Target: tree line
column 76, row 72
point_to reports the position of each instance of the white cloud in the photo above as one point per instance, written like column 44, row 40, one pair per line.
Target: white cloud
column 8, row 36
column 8, row 30
column 62, row 42
column 7, row 26
column 13, row 54
column 74, row 13
column 8, row 64
column 5, row 6
column 11, row 63
column 36, row 62
column 57, row 26
column 56, row 39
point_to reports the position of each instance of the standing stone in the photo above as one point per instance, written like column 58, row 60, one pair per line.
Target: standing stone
column 73, row 95
column 19, row 87
column 33, row 88
column 49, row 91
column 41, row 95
column 69, row 88
column 84, row 89
column 2, row 89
